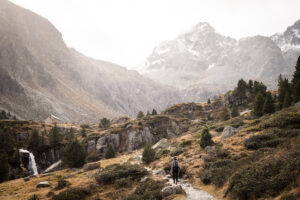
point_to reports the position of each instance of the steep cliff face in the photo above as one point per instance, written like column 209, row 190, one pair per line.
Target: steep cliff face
column 135, row 134
column 40, row 75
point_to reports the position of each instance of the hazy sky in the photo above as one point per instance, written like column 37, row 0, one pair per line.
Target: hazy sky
column 126, row 31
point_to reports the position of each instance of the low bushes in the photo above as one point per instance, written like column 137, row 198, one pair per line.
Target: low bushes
column 161, row 153
column 72, row 194
column 186, row 143
column 62, row 183
column 147, row 191
column 262, row 140
column 176, row 152
column 267, row 177
column 283, row 120
column 115, row 172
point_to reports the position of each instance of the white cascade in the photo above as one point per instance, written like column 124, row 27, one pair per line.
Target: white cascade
column 32, row 163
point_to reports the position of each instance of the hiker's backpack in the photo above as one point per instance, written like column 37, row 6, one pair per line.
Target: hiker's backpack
column 175, row 166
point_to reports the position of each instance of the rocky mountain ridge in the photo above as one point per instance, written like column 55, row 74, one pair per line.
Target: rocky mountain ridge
column 202, row 59
column 41, row 76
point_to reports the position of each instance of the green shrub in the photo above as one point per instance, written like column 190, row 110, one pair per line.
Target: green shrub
column 104, row 123
column 74, row 155
column 186, row 143
column 122, row 183
column 205, row 139
column 34, row 197
column 62, row 183
column 148, row 190
column 267, row 177
column 162, row 152
column 84, row 126
column 148, row 154
column 283, row 120
column 4, row 167
column 176, row 152
column 110, row 152
column 115, row 172
column 262, row 140
column 72, row 194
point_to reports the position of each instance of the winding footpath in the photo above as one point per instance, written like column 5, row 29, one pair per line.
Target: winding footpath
column 191, row 192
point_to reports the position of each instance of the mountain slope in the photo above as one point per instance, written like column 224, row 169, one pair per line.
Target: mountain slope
column 204, row 60
column 42, row 76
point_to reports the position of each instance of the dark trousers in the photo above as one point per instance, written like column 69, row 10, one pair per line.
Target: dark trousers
column 175, row 176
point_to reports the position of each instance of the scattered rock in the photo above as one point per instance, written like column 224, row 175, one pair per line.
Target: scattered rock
column 26, row 179
column 44, row 175
column 160, row 172
column 297, row 104
column 210, row 149
column 74, row 169
column 162, row 144
column 69, row 176
column 228, row 132
column 169, row 190
column 43, row 184
column 144, row 179
column 90, row 166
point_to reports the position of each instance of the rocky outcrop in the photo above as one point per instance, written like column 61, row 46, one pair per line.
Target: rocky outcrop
column 43, row 184
column 169, row 190
column 229, row 131
column 129, row 138
column 162, row 144
column 91, row 166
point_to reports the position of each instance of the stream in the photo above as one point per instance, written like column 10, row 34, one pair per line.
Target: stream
column 32, row 163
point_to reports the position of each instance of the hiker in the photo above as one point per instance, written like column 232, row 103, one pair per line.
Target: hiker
column 175, row 170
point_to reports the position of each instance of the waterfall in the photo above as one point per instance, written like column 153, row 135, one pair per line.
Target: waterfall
column 32, row 163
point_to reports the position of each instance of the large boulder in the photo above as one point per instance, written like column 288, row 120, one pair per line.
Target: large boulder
column 90, row 166
column 162, row 144
column 169, row 190
column 229, row 131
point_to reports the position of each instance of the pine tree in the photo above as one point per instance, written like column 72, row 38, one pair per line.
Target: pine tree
column 54, row 137
column 258, row 104
column 234, row 111
column 34, row 140
column 284, row 87
column 296, row 82
column 154, row 112
column 4, row 167
column 140, row 115
column 104, row 123
column 205, row 139
column 250, row 86
column 148, row 154
column 110, row 152
column 287, row 100
column 83, row 132
column 269, row 106
column 208, row 101
column 148, row 113
column 74, row 155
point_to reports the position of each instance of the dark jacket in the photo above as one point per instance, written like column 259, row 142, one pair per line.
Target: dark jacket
column 171, row 171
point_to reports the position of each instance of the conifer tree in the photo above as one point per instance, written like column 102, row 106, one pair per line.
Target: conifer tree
column 34, row 140
column 154, row 112
column 250, row 86
column 148, row 113
column 54, row 137
column 208, row 101
column 104, row 123
column 269, row 106
column 83, row 132
column 296, row 82
column 234, row 111
column 74, row 155
column 140, row 115
column 205, row 139
column 4, row 167
column 258, row 104
column 148, row 154
column 287, row 100
column 110, row 152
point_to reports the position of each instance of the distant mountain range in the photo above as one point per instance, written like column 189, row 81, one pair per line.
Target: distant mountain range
column 40, row 76
column 203, row 60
